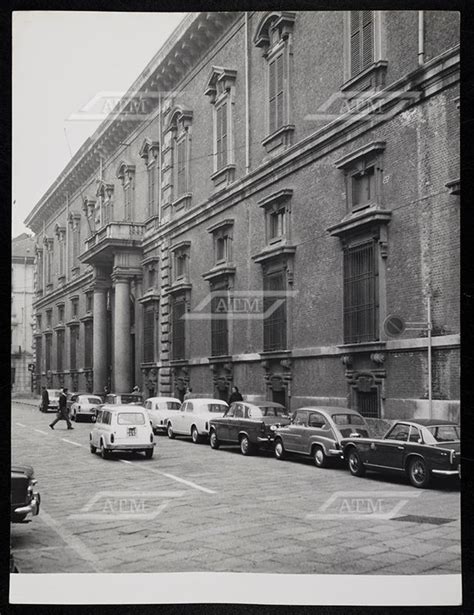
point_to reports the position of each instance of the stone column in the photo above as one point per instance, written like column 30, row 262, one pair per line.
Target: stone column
column 139, row 378
column 122, row 350
column 99, row 332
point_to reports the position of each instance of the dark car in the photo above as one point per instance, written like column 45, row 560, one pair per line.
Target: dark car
column 25, row 500
column 318, row 431
column 53, row 396
column 419, row 448
column 120, row 399
column 251, row 425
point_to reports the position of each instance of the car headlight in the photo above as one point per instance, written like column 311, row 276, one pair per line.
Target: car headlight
column 273, row 427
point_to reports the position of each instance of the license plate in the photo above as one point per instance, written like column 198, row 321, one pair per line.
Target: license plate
column 132, row 431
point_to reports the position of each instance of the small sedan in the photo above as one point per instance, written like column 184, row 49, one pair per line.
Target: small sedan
column 53, row 395
column 420, row 449
column 194, row 417
column 25, row 499
column 318, row 432
column 122, row 429
column 85, row 406
column 250, row 425
column 159, row 410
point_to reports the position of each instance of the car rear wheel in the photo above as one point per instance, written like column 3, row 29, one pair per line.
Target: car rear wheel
column 280, row 452
column 320, row 458
column 246, row 447
column 356, row 466
column 148, row 453
column 418, row 473
column 196, row 438
column 213, row 440
column 93, row 448
column 170, row 431
column 104, row 453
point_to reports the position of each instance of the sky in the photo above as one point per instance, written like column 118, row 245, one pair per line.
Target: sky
column 61, row 61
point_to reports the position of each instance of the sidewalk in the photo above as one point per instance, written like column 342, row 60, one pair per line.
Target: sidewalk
column 28, row 402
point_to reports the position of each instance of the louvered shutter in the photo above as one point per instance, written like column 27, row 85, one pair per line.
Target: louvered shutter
column 367, row 38
column 272, row 96
column 355, row 43
column 279, row 92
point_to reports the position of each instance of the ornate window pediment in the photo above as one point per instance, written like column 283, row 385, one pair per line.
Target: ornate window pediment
column 60, row 232
column 180, row 120
column 149, row 150
column 125, row 172
column 74, row 220
column 220, row 82
column 273, row 28
column 104, row 190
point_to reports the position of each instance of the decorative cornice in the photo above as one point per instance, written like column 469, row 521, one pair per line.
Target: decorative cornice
column 356, row 221
column 225, row 269
column 276, row 251
column 148, row 146
column 281, row 20
column 276, row 197
column 218, row 225
column 369, row 149
column 180, row 246
column 220, row 78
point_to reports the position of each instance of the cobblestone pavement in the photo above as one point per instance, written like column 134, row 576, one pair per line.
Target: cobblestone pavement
column 191, row 508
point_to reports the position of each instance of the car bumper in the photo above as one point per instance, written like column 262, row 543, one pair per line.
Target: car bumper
column 447, row 472
column 334, row 452
column 30, row 509
column 129, row 447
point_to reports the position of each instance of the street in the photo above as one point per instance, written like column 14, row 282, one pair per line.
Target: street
column 191, row 508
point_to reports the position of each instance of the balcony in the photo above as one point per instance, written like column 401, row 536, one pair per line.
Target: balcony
column 103, row 243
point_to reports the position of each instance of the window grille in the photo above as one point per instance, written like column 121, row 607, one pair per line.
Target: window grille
column 274, row 325
column 178, row 328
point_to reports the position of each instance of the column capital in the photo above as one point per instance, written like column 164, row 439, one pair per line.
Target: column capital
column 125, row 275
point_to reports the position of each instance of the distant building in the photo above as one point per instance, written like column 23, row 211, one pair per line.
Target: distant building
column 310, row 155
column 22, row 285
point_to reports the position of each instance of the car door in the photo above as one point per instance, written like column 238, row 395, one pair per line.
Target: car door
column 319, row 431
column 293, row 432
column 390, row 452
column 187, row 417
column 222, row 424
column 235, row 422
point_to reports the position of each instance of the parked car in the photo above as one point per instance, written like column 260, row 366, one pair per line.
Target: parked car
column 252, row 426
column 71, row 398
column 194, row 417
column 419, row 448
column 124, row 428
column 25, row 499
column 159, row 410
column 53, row 404
column 130, row 399
column 84, row 406
column 318, row 431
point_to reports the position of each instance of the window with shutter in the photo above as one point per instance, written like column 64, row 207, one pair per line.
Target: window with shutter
column 149, row 334
column 276, row 93
column 73, row 343
column 274, row 325
column 221, row 136
column 361, row 40
column 178, row 330
column 181, row 168
column 39, row 352
column 219, row 324
column 49, row 343
column 88, row 333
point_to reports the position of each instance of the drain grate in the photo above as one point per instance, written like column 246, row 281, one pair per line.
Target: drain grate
column 424, row 519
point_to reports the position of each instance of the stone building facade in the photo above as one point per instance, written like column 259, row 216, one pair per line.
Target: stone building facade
column 269, row 190
column 22, row 295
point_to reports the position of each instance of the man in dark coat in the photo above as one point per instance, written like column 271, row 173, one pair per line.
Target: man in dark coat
column 63, row 414
column 235, row 395
column 44, row 399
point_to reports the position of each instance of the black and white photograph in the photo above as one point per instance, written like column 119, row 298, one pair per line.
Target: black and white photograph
column 235, row 275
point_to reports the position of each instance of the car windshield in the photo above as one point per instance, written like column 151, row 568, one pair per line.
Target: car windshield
column 347, row 419
column 445, row 433
column 260, row 411
column 132, row 399
column 214, row 407
column 92, row 400
column 167, row 405
column 53, row 393
column 131, row 418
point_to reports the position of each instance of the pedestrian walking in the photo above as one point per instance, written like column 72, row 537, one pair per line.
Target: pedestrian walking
column 44, row 399
column 63, row 414
column 188, row 394
column 235, row 395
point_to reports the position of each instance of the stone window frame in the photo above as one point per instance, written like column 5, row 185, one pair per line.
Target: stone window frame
column 277, row 203
column 48, row 243
column 372, row 75
column 61, row 312
column 74, row 222
column 222, row 230
column 60, row 232
column 274, row 36
column 180, row 252
column 89, row 301
column 355, row 164
column 180, row 128
column 74, row 307
column 149, row 152
column 88, row 208
column 39, row 269
column 151, row 264
column 154, row 306
column 49, row 318
column 126, row 174
column 105, row 194
column 221, row 92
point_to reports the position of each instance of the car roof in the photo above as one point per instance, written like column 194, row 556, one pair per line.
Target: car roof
column 264, row 404
column 427, row 422
column 330, row 410
column 122, row 407
column 206, row 400
column 163, row 399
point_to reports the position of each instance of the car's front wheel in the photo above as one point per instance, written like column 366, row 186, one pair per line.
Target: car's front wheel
column 280, row 452
column 170, row 431
column 213, row 440
column 246, row 447
column 196, row 438
column 320, row 457
column 356, row 466
column 418, row 473
column 93, row 448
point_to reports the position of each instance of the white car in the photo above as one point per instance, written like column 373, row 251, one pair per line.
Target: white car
column 159, row 409
column 53, row 396
column 194, row 416
column 120, row 429
column 84, row 405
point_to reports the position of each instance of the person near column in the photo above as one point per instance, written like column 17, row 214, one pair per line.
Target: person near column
column 44, row 399
column 235, row 395
column 189, row 393
column 63, row 414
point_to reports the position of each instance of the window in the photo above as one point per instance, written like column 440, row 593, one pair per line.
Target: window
column 277, row 219
column 178, row 339
column 360, row 293
column 277, row 208
column 74, row 308
column 126, row 173
column 60, row 350
column 368, row 403
column 61, row 236
column 361, row 40
column 274, row 324
column 48, row 344
column 73, row 344
column 180, row 129
column 39, row 269
column 149, row 152
column 399, row 432
column 75, row 226
column 49, row 318
column 152, row 192
column 415, row 434
column 149, row 317
column 38, row 322
column 189, row 407
column 49, row 245
column 60, row 313
column 89, row 301
column 88, row 333
column 105, row 193
column 39, row 353
column 301, row 418
column 274, row 35
column 317, row 420
column 219, row 320
column 221, row 136
column 180, row 262
column 181, row 168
